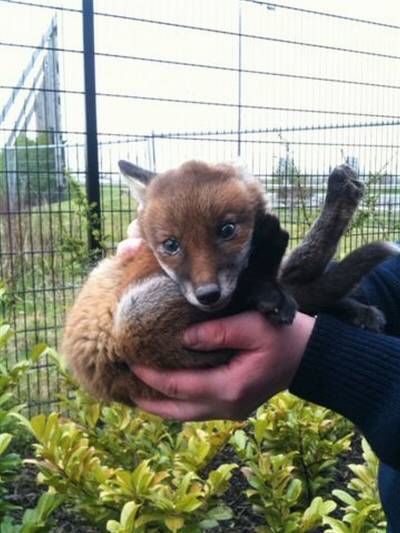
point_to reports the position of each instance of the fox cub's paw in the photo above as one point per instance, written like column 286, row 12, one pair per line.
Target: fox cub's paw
column 343, row 185
column 276, row 304
column 369, row 317
column 359, row 314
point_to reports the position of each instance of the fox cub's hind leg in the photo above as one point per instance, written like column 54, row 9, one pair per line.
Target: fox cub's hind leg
column 305, row 272
column 341, row 280
column 359, row 314
column 310, row 259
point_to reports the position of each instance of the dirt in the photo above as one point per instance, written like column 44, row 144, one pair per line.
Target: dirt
column 25, row 492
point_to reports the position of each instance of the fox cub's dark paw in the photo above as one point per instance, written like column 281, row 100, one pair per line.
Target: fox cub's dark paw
column 277, row 305
column 369, row 317
column 343, row 185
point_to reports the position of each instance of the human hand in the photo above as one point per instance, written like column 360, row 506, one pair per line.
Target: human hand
column 131, row 245
column 267, row 360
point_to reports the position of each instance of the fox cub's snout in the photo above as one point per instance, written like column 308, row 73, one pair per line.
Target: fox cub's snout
column 201, row 236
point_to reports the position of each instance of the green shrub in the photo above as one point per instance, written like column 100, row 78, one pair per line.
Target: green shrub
column 289, row 453
column 128, row 471
column 10, row 463
column 160, row 483
column 125, row 470
column 34, row 520
column 362, row 511
column 74, row 244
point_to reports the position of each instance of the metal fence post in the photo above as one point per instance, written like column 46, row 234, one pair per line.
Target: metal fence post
column 92, row 158
column 239, row 95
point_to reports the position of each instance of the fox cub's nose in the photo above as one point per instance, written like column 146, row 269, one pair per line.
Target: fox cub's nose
column 208, row 294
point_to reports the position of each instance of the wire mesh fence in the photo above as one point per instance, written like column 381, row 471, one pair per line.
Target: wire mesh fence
column 291, row 90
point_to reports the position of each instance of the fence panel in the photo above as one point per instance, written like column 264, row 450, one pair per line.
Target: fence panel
column 292, row 91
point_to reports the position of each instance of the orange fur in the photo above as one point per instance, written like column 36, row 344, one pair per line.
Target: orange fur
column 100, row 352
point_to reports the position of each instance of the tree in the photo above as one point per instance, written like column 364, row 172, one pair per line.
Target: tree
column 28, row 172
column 292, row 190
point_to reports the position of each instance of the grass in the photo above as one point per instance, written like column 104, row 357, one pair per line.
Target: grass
column 44, row 261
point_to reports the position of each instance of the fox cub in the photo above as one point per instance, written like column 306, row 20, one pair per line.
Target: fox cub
column 213, row 248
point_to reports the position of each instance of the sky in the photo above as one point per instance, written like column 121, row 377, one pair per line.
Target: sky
column 25, row 25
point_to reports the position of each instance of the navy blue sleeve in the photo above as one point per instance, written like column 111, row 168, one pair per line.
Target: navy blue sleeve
column 357, row 373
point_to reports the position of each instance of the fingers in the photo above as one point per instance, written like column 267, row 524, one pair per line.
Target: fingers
column 133, row 230
column 230, row 392
column 129, row 247
column 242, row 331
column 196, row 384
column 226, row 383
column 179, row 409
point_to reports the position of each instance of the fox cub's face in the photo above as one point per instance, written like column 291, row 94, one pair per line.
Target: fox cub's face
column 198, row 221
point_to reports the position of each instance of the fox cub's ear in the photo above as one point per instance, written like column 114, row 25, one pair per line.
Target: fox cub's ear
column 137, row 178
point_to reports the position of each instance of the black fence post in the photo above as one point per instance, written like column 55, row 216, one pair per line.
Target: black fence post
column 92, row 157
column 239, row 123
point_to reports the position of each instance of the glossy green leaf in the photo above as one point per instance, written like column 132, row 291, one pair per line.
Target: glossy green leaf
column 174, row 523
column 5, row 439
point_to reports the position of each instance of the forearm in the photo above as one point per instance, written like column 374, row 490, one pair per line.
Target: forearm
column 357, row 374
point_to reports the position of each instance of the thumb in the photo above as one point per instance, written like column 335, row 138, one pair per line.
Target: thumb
column 242, row 331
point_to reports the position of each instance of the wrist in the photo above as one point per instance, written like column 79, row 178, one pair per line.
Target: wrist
column 298, row 336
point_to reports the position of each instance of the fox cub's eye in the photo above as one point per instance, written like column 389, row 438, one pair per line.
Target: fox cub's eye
column 171, row 246
column 227, row 231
